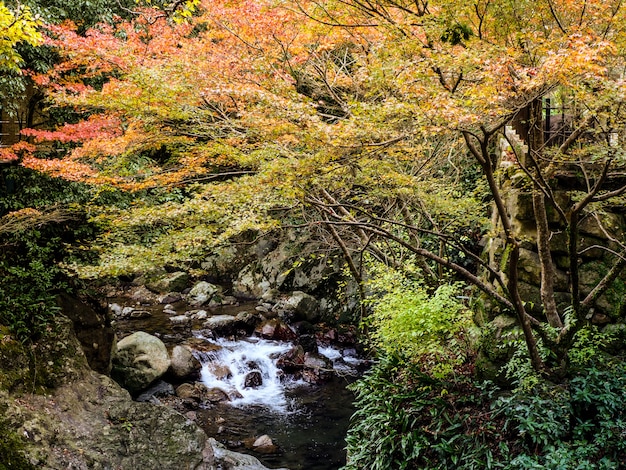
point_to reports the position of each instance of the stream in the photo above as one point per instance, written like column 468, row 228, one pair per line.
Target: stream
column 306, row 422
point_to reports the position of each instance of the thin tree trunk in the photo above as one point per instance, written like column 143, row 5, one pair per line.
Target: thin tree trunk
column 548, row 273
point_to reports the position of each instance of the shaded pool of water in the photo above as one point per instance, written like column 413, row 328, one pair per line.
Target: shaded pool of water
column 310, row 436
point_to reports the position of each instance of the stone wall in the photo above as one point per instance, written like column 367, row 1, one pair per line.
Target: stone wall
column 596, row 250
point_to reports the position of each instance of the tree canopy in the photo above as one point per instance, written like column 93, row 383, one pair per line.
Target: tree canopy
column 386, row 117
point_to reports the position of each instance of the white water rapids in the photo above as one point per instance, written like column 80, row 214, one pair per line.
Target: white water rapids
column 227, row 367
column 241, row 358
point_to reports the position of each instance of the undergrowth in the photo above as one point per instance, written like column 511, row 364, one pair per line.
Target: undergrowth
column 409, row 420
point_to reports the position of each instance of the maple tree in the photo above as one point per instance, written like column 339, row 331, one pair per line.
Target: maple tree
column 401, row 133
column 375, row 113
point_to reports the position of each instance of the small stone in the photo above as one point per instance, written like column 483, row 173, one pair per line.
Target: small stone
column 140, row 314
column 253, row 379
column 180, row 320
column 198, row 315
column 262, row 441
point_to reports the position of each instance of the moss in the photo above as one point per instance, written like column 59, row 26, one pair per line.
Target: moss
column 12, row 454
column 43, row 365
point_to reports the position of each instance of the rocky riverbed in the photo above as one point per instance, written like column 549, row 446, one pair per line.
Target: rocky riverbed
column 258, row 376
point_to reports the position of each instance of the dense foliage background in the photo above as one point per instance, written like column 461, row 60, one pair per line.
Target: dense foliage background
column 402, row 135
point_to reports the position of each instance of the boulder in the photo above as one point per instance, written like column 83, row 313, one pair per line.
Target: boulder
column 276, row 330
column 305, row 306
column 140, row 360
column 250, row 283
column 183, row 363
column 316, row 368
column 221, row 324
column 253, row 379
column 292, row 360
column 220, row 371
column 169, row 282
column 202, row 293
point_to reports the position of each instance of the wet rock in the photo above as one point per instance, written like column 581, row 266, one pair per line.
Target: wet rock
column 217, row 395
column 187, row 390
column 197, row 315
column 253, row 379
column 115, row 309
column 220, row 371
column 169, row 282
column 291, row 361
column 202, row 293
column 316, row 368
column 137, row 314
column 221, row 324
column 305, row 306
column 247, row 321
column 140, row 359
column 180, row 320
column 169, row 309
column 198, row 392
column 276, row 330
column 120, row 312
column 160, row 389
column 183, row 363
column 172, row 298
column 230, row 300
column 262, row 444
column 308, row 343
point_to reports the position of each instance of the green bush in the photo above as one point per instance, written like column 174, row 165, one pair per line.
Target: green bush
column 406, row 419
column 427, row 328
column 32, row 276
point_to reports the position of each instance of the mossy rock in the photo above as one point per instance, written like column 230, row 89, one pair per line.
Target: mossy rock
column 34, row 368
column 12, row 448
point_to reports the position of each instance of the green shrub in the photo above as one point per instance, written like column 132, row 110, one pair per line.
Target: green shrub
column 430, row 329
column 406, row 419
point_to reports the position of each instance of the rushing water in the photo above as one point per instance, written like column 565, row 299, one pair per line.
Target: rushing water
column 242, row 358
column 307, row 422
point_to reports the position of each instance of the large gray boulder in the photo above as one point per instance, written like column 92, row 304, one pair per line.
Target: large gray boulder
column 140, row 359
column 305, row 306
column 184, row 364
column 201, row 293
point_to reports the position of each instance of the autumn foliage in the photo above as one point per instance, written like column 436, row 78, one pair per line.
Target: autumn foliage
column 374, row 114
